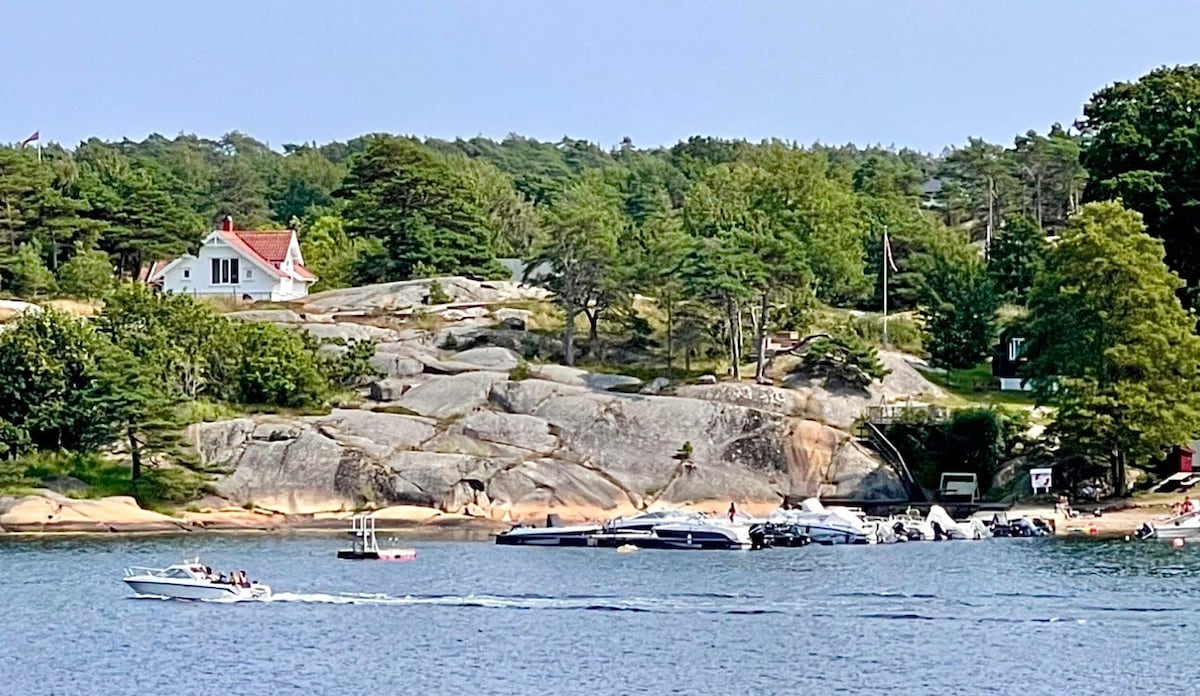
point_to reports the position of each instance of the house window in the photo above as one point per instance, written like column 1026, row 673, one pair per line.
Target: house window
column 249, row 274
column 187, row 274
column 224, row 271
column 1014, row 348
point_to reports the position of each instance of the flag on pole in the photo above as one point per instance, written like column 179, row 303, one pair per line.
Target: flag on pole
column 30, row 139
column 887, row 252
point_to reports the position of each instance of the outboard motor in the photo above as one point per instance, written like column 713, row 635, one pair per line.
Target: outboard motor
column 758, row 537
column 938, row 533
column 1145, row 532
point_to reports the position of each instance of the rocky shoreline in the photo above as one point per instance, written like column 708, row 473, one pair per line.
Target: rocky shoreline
column 47, row 513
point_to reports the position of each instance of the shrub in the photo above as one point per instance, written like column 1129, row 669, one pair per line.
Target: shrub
column 274, row 367
column 88, row 275
column 437, row 295
column 520, row 372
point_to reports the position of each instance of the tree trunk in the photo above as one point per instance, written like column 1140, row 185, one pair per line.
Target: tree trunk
column 594, row 347
column 761, row 367
column 569, row 337
column 135, row 455
column 670, row 332
column 1038, row 195
column 735, row 321
column 1118, row 472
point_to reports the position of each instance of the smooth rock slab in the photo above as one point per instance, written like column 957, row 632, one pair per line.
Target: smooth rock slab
column 490, row 358
column 452, row 396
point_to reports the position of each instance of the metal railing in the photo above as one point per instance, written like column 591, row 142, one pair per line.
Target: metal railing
column 892, row 456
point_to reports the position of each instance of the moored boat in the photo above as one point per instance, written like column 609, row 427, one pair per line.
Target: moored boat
column 1185, row 526
column 553, row 534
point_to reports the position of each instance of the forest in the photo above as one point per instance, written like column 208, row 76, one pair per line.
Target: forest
column 733, row 239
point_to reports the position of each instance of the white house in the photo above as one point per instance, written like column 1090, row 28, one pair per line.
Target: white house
column 240, row 263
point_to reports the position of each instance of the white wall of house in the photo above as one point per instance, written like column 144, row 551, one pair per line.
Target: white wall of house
column 194, row 276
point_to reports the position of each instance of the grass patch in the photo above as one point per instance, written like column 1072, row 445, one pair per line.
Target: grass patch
column 157, row 489
column 395, row 410
column 974, row 385
column 203, row 411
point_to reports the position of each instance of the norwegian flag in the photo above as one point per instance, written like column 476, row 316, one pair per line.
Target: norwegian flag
column 887, row 252
column 30, row 139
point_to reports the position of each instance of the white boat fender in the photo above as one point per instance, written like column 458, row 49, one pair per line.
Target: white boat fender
column 626, row 548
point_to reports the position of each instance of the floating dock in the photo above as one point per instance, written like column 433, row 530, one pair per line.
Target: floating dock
column 364, row 547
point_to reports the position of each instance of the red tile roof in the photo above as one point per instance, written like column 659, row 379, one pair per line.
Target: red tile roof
column 269, row 247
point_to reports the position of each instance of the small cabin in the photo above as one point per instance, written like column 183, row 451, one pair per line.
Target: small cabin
column 1008, row 362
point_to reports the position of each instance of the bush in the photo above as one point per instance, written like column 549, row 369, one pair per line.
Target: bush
column 437, row 295
column 845, row 358
column 977, row 440
column 349, row 368
column 903, row 333
column 520, row 372
column 274, row 367
column 88, row 275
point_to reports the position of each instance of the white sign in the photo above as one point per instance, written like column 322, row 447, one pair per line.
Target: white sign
column 1040, row 479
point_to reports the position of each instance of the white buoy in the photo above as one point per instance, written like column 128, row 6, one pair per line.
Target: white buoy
column 626, row 548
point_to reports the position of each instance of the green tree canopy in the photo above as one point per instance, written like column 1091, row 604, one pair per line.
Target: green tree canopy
column 1015, row 254
column 1110, row 344
column 405, row 195
column 958, row 304
column 1143, row 147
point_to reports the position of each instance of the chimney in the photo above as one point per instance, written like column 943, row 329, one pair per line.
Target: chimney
column 227, row 223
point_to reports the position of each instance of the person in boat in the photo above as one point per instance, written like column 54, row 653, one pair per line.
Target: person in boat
column 221, row 579
column 1189, row 506
column 732, row 511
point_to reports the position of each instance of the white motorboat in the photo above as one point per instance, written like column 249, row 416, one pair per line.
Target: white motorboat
column 828, row 525
column 704, row 534
column 647, row 521
column 942, row 522
column 190, row 580
column 1186, row 526
column 553, row 534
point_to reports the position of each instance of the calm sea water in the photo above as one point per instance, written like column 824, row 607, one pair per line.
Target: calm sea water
column 1020, row 616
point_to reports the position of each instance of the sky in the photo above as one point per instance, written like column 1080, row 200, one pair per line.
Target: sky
column 923, row 75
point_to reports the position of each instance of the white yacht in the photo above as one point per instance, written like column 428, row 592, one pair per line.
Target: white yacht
column 828, row 525
column 190, row 580
column 1186, row 526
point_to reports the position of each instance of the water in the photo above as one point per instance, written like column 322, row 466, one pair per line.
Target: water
column 1019, row 616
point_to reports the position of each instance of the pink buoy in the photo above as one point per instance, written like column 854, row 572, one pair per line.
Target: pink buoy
column 1177, row 543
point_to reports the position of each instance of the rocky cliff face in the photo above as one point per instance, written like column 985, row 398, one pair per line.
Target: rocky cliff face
column 445, row 427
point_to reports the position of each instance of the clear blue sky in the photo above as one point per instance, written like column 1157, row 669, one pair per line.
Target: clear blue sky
column 917, row 74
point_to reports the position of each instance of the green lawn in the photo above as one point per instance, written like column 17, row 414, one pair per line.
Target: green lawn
column 974, row 385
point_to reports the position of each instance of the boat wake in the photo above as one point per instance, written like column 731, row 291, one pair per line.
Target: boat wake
column 700, row 603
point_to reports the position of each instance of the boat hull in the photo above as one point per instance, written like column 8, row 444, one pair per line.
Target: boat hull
column 547, row 536
column 160, row 587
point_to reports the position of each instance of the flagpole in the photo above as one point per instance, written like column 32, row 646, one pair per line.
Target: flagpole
column 886, row 249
